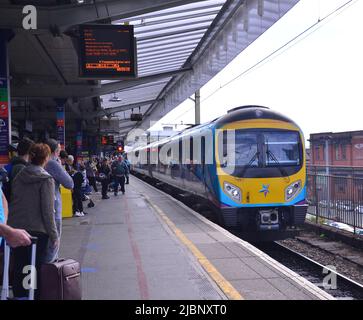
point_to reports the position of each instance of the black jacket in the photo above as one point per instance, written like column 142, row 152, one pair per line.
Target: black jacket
column 78, row 180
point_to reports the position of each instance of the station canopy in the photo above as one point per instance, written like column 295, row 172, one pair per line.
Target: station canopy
column 181, row 45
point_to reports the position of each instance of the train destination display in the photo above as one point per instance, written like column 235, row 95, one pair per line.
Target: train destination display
column 107, row 51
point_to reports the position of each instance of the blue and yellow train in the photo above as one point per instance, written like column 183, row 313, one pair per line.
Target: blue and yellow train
column 249, row 166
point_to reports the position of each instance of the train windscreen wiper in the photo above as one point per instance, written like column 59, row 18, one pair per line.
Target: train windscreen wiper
column 273, row 157
column 248, row 165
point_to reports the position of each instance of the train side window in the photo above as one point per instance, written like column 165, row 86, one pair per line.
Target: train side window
column 224, row 143
column 180, row 151
column 203, row 151
column 191, row 149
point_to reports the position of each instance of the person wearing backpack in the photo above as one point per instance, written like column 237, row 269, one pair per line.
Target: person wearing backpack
column 119, row 171
column 17, row 164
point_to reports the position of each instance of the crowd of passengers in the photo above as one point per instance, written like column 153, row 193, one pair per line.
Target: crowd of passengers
column 31, row 202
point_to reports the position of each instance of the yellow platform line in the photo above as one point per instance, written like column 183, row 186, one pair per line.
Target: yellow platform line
column 222, row 283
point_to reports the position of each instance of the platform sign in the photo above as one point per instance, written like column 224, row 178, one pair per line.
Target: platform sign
column 107, row 140
column 61, row 124
column 107, row 51
column 79, row 139
column 4, row 103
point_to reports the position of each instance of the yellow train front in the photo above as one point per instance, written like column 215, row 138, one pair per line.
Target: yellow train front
column 248, row 166
column 260, row 183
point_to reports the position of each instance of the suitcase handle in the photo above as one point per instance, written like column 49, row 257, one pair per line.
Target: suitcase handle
column 34, row 240
column 73, row 276
column 5, row 287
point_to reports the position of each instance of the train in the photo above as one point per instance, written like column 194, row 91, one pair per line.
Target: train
column 248, row 166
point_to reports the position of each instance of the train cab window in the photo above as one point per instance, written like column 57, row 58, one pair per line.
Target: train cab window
column 169, row 153
column 282, row 148
column 137, row 153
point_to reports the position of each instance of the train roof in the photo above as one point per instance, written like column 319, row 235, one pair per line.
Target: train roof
column 251, row 112
column 236, row 114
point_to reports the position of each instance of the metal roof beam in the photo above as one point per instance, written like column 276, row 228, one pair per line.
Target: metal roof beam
column 177, row 18
column 171, row 23
column 173, row 29
column 110, row 111
column 173, row 33
column 61, row 18
column 162, row 62
column 198, row 33
column 172, row 64
column 152, row 54
column 169, row 55
column 141, row 46
column 83, row 91
column 167, row 59
column 160, row 48
column 153, row 15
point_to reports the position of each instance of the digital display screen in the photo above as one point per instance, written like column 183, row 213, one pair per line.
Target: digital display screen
column 107, row 140
column 107, row 51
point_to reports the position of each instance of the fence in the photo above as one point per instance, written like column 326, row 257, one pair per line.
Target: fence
column 336, row 197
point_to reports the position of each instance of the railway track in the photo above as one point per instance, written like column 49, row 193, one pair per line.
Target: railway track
column 337, row 285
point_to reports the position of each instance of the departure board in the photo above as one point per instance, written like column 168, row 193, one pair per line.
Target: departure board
column 107, row 51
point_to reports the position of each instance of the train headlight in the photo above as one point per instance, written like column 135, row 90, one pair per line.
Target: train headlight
column 292, row 190
column 233, row 191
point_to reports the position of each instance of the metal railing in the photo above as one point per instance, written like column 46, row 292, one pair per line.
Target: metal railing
column 336, row 198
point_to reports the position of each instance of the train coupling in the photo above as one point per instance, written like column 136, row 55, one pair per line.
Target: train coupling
column 268, row 219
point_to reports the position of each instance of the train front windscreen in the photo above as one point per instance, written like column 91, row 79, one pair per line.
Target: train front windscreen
column 254, row 153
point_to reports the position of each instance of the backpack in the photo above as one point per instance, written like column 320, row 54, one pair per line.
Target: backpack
column 118, row 169
column 7, row 184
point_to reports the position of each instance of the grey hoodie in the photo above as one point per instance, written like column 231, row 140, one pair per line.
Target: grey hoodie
column 32, row 205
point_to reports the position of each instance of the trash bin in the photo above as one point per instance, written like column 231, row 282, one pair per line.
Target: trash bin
column 67, row 203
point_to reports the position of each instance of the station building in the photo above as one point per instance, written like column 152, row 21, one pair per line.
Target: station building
column 340, row 155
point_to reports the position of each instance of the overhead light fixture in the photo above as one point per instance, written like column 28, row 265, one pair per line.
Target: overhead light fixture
column 115, row 98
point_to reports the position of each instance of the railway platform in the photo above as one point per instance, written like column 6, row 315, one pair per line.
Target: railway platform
column 146, row 245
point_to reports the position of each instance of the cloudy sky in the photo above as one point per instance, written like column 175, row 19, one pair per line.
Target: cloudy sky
column 316, row 80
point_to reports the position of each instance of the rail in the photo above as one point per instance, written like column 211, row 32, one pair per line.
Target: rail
column 335, row 199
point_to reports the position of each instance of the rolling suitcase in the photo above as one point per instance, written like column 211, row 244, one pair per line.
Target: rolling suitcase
column 63, row 280
column 5, row 287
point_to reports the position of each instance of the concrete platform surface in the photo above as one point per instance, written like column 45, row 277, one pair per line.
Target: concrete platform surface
column 147, row 245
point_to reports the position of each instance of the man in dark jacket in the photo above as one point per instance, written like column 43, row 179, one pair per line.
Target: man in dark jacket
column 77, row 194
column 17, row 164
column 104, row 177
column 119, row 171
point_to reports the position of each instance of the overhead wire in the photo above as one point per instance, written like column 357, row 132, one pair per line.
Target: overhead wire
column 286, row 46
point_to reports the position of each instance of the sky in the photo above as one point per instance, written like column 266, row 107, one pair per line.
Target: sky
column 317, row 80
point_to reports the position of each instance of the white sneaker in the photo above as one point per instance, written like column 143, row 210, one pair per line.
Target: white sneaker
column 79, row 214
column 86, row 197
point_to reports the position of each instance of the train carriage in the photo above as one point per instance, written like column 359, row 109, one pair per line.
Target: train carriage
column 248, row 166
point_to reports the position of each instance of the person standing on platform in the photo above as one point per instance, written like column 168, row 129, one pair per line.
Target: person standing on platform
column 104, row 177
column 61, row 177
column 119, row 171
column 91, row 175
column 63, row 156
column 17, row 164
column 69, row 164
column 77, row 194
column 32, row 209
column 128, row 170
